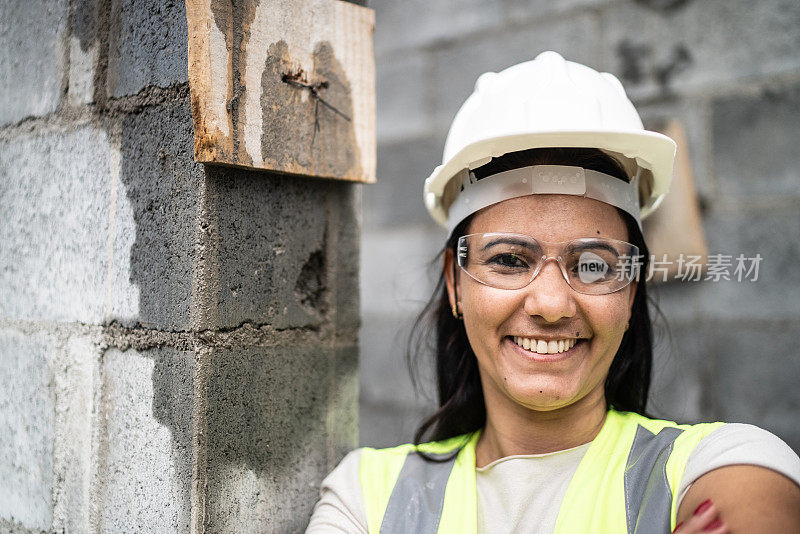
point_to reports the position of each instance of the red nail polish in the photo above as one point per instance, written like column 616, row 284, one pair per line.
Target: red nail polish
column 678, row 526
column 714, row 524
column 703, row 507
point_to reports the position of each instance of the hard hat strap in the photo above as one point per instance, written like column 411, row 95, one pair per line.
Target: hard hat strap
column 542, row 179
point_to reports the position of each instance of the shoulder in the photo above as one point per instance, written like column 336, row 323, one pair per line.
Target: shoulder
column 380, row 468
column 388, row 461
column 703, row 447
column 364, row 471
column 654, row 433
column 750, row 474
column 340, row 507
column 736, row 444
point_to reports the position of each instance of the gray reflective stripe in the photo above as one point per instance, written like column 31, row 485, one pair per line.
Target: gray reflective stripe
column 417, row 499
column 648, row 499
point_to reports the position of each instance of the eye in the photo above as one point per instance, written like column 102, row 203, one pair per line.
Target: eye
column 508, row 260
column 591, row 268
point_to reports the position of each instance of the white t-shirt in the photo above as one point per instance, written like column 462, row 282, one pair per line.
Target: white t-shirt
column 523, row 493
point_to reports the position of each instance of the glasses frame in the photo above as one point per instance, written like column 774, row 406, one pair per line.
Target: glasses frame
column 548, row 246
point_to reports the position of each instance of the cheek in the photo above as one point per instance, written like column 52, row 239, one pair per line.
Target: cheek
column 608, row 318
column 484, row 306
column 485, row 310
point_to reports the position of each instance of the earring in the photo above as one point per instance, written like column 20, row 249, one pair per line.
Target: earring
column 456, row 313
column 627, row 325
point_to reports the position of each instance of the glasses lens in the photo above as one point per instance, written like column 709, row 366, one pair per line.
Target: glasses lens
column 599, row 266
column 504, row 261
column 594, row 266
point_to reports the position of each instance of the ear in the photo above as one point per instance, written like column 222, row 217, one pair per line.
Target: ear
column 449, row 276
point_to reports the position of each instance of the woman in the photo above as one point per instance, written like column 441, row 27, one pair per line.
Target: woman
column 543, row 342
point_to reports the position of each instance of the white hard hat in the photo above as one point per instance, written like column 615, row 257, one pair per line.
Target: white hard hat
column 549, row 102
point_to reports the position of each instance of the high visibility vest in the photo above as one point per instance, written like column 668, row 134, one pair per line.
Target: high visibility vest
column 625, row 483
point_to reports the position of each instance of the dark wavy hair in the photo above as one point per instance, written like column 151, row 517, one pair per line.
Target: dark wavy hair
column 461, row 408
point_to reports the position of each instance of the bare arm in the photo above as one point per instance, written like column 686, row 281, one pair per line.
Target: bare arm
column 748, row 499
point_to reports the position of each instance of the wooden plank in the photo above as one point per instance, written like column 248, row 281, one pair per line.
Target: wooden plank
column 284, row 85
column 675, row 229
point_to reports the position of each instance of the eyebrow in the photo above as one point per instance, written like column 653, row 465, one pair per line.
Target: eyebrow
column 509, row 240
column 594, row 245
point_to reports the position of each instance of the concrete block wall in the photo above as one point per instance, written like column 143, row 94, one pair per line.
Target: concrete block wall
column 729, row 70
column 178, row 343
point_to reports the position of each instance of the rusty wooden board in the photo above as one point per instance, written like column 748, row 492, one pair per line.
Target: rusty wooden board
column 285, row 85
column 675, row 229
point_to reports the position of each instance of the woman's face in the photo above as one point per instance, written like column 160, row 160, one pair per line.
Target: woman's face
column 547, row 309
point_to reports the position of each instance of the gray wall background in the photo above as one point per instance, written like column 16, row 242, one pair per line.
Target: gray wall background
column 178, row 343
column 729, row 70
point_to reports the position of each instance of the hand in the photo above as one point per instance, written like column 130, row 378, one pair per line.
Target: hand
column 705, row 520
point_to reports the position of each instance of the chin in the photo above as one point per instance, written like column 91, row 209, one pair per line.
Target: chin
column 541, row 397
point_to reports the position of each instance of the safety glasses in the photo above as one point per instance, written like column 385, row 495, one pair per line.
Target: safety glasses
column 593, row 266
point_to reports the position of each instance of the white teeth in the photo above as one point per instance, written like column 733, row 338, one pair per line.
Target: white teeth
column 545, row 347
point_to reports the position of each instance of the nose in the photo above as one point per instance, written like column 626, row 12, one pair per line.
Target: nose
column 549, row 295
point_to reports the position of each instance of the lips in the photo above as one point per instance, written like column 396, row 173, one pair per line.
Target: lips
column 568, row 347
column 541, row 346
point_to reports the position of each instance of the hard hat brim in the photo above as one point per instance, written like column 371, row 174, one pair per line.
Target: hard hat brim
column 652, row 152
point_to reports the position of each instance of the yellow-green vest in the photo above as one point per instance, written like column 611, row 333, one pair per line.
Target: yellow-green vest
column 625, row 483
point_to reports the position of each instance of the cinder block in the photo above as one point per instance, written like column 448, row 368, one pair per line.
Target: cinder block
column 694, row 116
column 681, row 365
column 55, row 205
column 396, row 198
column 27, row 428
column 75, row 372
column 387, row 425
column 525, row 10
column 156, row 218
column 83, row 52
column 345, row 227
column 15, row 527
column 776, row 292
column 148, row 45
column 457, row 68
column 403, row 102
column 755, row 144
column 699, row 45
column 398, row 276
column 32, row 58
column 272, row 256
column 342, row 426
column 755, row 378
column 271, row 437
column 418, row 22
column 385, row 378
column 145, row 468
column 399, row 268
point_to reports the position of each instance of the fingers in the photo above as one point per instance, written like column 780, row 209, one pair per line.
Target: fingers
column 705, row 520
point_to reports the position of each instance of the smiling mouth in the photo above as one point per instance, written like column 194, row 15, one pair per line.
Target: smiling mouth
column 541, row 346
